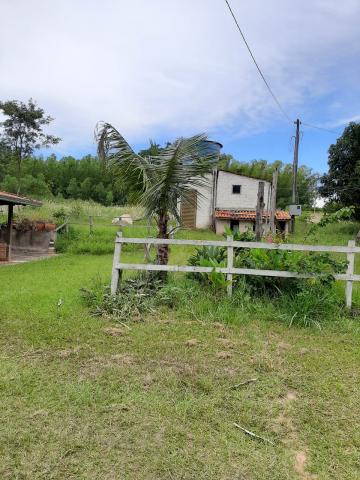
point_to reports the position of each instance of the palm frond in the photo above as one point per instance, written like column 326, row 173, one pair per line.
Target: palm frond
column 176, row 170
column 115, row 152
column 163, row 178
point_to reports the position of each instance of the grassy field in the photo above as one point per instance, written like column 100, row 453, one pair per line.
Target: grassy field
column 77, row 211
column 89, row 398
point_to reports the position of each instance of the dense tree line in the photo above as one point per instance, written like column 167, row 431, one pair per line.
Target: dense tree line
column 86, row 178
column 67, row 177
column 22, row 132
column 306, row 179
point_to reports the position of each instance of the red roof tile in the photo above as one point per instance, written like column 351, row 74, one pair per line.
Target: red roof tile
column 250, row 214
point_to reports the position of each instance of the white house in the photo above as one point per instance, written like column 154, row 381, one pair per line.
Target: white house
column 229, row 200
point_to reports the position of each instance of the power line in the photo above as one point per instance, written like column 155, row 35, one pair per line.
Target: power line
column 264, row 79
column 320, row 128
column 257, row 65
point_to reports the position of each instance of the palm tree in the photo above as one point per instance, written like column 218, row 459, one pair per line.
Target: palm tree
column 163, row 178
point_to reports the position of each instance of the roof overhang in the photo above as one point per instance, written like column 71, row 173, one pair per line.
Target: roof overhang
column 7, row 198
column 250, row 215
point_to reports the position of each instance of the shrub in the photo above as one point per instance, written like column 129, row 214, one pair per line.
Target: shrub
column 310, row 305
column 321, row 264
column 64, row 240
column 136, row 297
column 59, row 216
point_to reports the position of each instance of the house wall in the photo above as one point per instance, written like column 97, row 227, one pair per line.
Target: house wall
column 29, row 239
column 220, row 225
column 225, row 199
column 203, row 211
column 246, row 199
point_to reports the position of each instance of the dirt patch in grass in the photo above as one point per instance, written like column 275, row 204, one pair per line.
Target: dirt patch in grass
column 115, row 331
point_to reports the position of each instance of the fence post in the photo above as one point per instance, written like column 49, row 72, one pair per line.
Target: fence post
column 91, row 224
column 116, row 274
column 230, row 263
column 350, row 271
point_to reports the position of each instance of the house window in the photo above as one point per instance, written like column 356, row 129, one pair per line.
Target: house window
column 236, row 188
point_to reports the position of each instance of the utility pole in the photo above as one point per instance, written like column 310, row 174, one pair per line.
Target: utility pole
column 294, row 172
column 273, row 201
column 259, row 212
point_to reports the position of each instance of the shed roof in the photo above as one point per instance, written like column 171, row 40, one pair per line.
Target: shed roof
column 250, row 215
column 7, row 198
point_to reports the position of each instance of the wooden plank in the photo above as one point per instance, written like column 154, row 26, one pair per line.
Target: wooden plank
column 230, row 263
column 236, row 244
column 259, row 212
column 226, row 270
column 188, row 210
column 9, row 230
column 63, row 225
column 273, row 201
column 350, row 271
column 168, row 268
column 116, row 272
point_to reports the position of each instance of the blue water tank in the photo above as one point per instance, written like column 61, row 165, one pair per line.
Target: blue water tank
column 209, row 146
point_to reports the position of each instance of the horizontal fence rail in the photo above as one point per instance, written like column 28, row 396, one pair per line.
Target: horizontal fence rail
column 230, row 270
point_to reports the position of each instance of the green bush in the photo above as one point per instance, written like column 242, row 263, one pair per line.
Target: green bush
column 64, row 240
column 321, row 264
column 136, row 297
column 310, row 305
column 59, row 216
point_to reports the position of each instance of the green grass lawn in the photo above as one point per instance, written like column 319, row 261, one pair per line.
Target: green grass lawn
column 88, row 398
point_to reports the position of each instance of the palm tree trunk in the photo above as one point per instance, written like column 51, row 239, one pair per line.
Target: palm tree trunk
column 162, row 255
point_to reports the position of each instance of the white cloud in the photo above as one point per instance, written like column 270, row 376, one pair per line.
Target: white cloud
column 175, row 67
column 340, row 122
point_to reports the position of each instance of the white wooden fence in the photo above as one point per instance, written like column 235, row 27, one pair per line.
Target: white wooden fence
column 229, row 270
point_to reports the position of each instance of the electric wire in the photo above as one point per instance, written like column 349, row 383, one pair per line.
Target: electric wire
column 257, row 65
column 276, row 100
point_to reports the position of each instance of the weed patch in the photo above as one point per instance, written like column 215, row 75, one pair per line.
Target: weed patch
column 136, row 297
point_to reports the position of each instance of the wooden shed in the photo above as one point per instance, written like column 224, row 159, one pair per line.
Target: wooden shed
column 10, row 200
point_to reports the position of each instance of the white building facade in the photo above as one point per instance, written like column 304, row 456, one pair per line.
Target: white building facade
column 228, row 200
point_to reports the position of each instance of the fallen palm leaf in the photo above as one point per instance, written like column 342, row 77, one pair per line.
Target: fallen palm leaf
column 246, row 382
column 252, row 434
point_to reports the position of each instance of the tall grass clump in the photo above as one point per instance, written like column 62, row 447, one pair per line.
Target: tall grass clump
column 76, row 210
column 293, row 300
column 100, row 241
column 137, row 297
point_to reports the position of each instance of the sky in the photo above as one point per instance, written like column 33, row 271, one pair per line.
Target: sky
column 160, row 69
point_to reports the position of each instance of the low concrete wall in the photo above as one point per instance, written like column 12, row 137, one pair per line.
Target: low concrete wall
column 29, row 239
column 221, row 223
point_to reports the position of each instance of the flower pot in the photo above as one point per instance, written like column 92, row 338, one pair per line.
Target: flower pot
column 40, row 226
column 50, row 227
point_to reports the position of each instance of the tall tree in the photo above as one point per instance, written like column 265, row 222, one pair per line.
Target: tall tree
column 73, row 189
column 165, row 177
column 341, row 185
column 22, row 130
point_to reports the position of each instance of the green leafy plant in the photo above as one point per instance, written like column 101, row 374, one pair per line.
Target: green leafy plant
column 310, row 305
column 59, row 215
column 320, row 264
column 341, row 215
column 247, row 236
column 216, row 279
column 136, row 297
